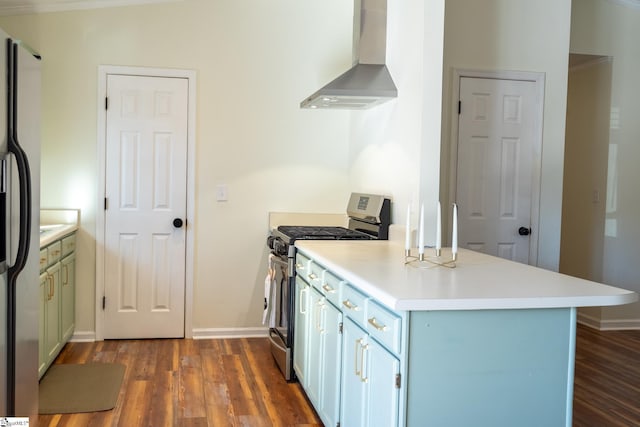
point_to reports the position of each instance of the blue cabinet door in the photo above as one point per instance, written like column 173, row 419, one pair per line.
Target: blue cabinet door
column 300, row 343
column 370, row 396
column 352, row 404
column 329, row 408
column 382, row 368
column 315, row 340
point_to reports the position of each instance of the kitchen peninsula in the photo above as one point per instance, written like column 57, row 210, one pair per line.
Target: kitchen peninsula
column 490, row 342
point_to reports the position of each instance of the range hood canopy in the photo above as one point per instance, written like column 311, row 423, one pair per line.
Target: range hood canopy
column 368, row 82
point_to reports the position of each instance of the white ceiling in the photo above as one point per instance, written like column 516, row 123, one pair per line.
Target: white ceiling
column 17, row 7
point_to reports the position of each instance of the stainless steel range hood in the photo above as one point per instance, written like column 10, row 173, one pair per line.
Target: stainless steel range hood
column 368, row 82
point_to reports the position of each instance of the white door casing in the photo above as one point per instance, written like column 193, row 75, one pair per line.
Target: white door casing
column 145, row 266
column 498, row 165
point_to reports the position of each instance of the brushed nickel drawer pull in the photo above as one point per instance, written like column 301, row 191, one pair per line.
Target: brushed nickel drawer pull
column 328, row 288
column 312, row 276
column 350, row 305
column 373, row 322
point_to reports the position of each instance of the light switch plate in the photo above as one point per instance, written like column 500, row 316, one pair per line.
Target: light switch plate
column 222, row 194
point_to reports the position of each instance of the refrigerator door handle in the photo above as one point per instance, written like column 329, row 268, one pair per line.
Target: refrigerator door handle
column 24, row 174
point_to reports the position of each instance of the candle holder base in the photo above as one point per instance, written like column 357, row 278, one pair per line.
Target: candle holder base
column 421, row 261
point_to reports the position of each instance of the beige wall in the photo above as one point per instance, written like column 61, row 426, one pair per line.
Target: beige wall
column 609, row 28
column 585, row 168
column 516, row 35
column 254, row 61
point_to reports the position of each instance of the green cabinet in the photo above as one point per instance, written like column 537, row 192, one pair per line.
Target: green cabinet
column 57, row 299
column 52, row 327
column 300, row 343
column 68, row 296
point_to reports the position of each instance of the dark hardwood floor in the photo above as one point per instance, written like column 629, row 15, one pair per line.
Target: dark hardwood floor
column 227, row 382
column 607, row 378
column 234, row 382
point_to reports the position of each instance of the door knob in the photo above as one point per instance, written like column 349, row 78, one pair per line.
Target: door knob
column 177, row 223
column 524, row 231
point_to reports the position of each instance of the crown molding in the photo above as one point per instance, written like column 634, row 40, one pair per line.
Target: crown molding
column 8, row 7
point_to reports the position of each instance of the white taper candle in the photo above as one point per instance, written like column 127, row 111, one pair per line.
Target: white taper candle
column 454, row 233
column 421, row 231
column 439, row 228
column 407, row 232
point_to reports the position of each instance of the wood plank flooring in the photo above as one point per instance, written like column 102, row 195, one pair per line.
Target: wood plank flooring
column 227, row 382
column 607, row 378
column 234, row 382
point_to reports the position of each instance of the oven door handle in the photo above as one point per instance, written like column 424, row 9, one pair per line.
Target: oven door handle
column 274, row 342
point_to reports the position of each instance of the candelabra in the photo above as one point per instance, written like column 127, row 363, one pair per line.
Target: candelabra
column 425, row 262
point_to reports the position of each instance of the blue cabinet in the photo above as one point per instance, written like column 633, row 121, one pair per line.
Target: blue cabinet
column 300, row 343
column 318, row 350
column 370, row 381
column 346, row 358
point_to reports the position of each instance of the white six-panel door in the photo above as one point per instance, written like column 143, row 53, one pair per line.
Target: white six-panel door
column 146, row 180
column 496, row 146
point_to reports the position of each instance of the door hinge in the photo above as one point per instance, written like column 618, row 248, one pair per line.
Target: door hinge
column 340, row 328
column 105, row 203
column 104, row 302
column 398, row 381
column 106, row 102
column 338, row 424
column 459, row 107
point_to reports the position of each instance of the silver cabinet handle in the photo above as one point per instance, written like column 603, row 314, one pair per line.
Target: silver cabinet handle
column 312, row 276
column 363, row 350
column 319, row 322
column 328, row 289
column 350, row 305
column 302, row 293
column 299, row 266
column 373, row 322
column 355, row 356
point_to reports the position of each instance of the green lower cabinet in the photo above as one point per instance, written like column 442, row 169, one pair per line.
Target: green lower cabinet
column 370, row 395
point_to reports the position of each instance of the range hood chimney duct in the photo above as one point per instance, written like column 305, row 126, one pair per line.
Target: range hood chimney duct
column 368, row 82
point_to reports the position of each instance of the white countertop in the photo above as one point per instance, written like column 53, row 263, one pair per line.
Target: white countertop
column 57, row 223
column 478, row 282
column 51, row 234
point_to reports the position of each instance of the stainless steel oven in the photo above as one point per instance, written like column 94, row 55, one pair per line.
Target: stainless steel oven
column 369, row 219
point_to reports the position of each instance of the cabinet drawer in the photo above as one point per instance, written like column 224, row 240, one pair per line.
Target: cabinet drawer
column 302, row 265
column 53, row 252
column 44, row 259
column 68, row 245
column 352, row 304
column 384, row 326
column 331, row 288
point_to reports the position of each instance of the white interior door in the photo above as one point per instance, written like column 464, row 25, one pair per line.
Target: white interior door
column 145, row 188
column 496, row 150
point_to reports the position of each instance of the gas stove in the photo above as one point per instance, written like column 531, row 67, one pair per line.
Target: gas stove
column 369, row 219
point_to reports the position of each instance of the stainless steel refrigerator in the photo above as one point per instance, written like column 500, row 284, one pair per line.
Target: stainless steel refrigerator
column 19, row 228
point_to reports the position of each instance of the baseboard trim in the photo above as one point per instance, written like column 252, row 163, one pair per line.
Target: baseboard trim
column 608, row 325
column 83, row 336
column 219, row 333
